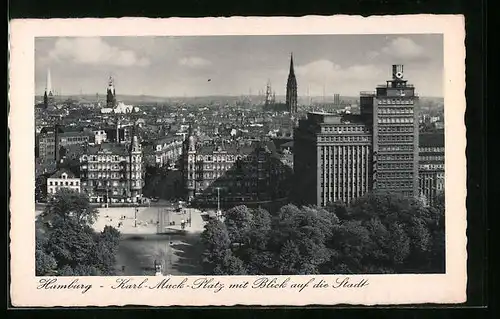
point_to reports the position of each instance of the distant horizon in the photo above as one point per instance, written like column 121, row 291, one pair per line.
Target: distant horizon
column 213, row 95
column 237, row 65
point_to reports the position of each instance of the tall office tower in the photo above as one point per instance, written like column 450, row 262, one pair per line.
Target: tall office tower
column 291, row 89
column 111, row 94
column 394, row 111
column 332, row 158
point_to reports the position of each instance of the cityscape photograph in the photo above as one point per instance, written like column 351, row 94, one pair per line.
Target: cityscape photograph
column 239, row 155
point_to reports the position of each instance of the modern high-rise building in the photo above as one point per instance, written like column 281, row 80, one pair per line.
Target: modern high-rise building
column 393, row 113
column 339, row 158
column 332, row 158
column 291, row 89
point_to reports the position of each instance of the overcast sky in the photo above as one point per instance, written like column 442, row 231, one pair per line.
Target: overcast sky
column 236, row 65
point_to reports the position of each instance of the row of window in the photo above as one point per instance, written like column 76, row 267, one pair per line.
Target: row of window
column 398, row 148
column 395, row 138
column 396, row 101
column 343, row 139
column 396, row 157
column 395, row 120
column 66, row 183
column 54, row 190
column 394, row 184
column 75, row 139
column 340, row 129
column 432, row 158
column 392, row 110
column 395, row 165
column 354, row 187
column 395, row 175
column 431, row 149
column 432, row 166
column 395, row 129
column 343, row 149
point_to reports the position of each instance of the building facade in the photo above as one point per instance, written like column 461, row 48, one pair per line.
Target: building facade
column 431, row 166
column 233, row 173
column 62, row 179
column 112, row 172
column 341, row 157
column 393, row 113
column 332, row 159
column 48, row 149
column 167, row 150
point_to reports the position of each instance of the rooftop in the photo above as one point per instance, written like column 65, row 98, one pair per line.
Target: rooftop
column 60, row 172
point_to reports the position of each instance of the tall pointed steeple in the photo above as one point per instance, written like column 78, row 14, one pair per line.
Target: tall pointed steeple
column 291, row 89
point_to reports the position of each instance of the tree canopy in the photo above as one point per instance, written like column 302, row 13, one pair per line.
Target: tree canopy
column 68, row 246
column 377, row 233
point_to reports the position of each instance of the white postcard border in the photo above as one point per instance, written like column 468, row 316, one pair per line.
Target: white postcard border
column 382, row 289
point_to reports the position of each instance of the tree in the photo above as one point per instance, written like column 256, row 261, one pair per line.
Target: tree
column 67, row 204
column 70, row 247
column 70, row 243
column 44, row 263
column 215, row 239
column 239, row 223
column 301, row 233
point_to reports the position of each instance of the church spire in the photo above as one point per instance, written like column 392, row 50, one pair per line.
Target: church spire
column 291, row 89
column 292, row 72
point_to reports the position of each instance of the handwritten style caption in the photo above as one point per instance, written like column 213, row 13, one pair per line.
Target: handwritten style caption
column 205, row 283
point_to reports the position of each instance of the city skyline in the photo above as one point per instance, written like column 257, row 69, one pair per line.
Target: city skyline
column 237, row 65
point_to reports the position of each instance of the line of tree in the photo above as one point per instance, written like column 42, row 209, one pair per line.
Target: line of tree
column 379, row 233
column 66, row 243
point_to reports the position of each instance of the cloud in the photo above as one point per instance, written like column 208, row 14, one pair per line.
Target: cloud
column 400, row 49
column 194, row 62
column 94, row 51
column 320, row 71
column 325, row 74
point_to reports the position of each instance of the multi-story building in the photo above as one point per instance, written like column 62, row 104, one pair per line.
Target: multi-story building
column 332, row 158
column 392, row 112
column 167, row 150
column 431, row 165
column 340, row 157
column 62, row 179
column 112, row 172
column 238, row 172
column 48, row 149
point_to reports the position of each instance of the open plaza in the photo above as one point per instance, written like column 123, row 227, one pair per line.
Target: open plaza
column 152, row 235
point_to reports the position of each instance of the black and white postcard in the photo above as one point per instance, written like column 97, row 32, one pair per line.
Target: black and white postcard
column 238, row 161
